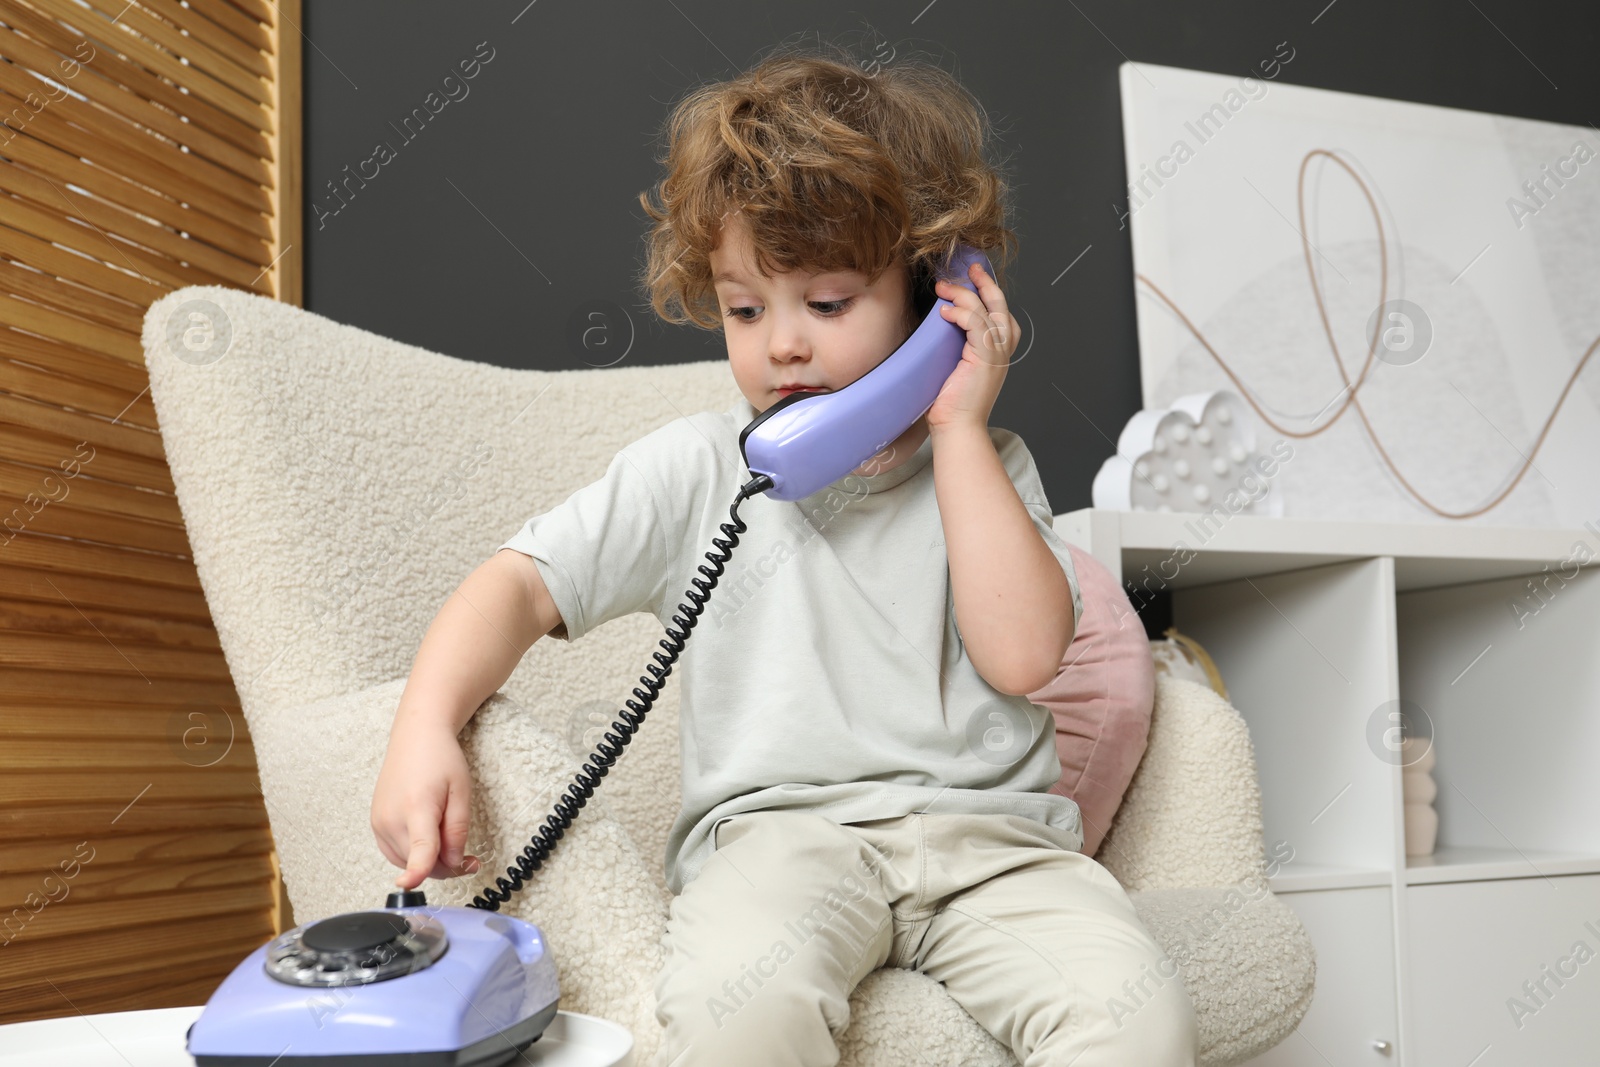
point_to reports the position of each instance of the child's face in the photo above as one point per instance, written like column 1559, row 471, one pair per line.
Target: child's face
column 822, row 330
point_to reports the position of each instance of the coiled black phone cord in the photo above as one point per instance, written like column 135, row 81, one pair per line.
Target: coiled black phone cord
column 608, row 750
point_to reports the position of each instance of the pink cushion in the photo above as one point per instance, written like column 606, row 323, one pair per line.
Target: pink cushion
column 1101, row 699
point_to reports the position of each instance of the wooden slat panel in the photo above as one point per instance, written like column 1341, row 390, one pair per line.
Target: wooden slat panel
column 267, row 14
column 70, row 232
column 206, row 149
column 124, row 848
column 107, row 651
column 80, row 490
column 245, row 132
column 75, row 425
column 91, row 592
column 74, row 483
column 136, row 20
column 127, row 923
column 132, row 992
column 102, row 727
column 23, row 519
column 51, row 451
column 200, row 184
column 288, row 201
column 206, row 44
column 65, row 620
column 99, row 881
column 212, row 949
column 68, row 917
column 205, row 947
column 238, row 233
column 200, row 785
column 236, row 22
column 66, row 297
column 114, row 220
column 42, row 722
column 91, row 273
column 74, row 689
column 191, row 746
column 55, row 53
column 29, row 550
column 44, row 355
column 92, row 368
column 21, row 380
column 51, row 824
column 24, row 315
column 144, row 664
column 153, row 58
column 63, row 520
column 119, row 147
column 47, row 226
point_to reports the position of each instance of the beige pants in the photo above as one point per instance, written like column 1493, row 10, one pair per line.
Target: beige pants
column 1039, row 943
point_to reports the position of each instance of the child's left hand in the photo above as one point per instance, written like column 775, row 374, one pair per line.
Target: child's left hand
column 992, row 334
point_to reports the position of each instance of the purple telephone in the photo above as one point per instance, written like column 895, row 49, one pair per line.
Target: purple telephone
column 807, row 441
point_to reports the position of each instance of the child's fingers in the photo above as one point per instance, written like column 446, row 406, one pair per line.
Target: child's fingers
column 422, row 826
column 988, row 289
column 992, row 339
column 970, row 319
column 985, row 296
column 959, row 295
column 456, row 818
column 1001, row 335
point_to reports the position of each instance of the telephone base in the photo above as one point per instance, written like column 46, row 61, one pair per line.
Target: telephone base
column 414, row 986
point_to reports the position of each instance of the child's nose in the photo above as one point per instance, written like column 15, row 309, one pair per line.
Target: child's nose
column 789, row 348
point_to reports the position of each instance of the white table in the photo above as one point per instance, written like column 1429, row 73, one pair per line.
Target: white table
column 156, row 1039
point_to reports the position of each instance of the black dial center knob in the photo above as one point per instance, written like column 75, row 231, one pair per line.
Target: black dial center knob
column 355, row 932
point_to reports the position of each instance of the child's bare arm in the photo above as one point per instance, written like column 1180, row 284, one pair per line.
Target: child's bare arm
column 420, row 804
column 1013, row 602
column 477, row 639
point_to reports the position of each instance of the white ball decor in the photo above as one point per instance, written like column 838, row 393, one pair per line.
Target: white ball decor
column 1197, row 455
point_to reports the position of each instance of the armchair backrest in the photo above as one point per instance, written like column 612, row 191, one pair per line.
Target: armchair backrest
column 337, row 485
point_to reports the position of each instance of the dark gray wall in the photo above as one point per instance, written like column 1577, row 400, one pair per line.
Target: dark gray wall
column 487, row 232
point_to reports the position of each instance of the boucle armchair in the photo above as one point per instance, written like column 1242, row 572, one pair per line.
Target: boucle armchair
column 338, row 485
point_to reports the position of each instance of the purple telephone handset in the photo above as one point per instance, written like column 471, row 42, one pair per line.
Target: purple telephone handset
column 807, row 441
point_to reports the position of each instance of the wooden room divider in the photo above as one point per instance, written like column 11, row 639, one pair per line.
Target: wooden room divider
column 146, row 145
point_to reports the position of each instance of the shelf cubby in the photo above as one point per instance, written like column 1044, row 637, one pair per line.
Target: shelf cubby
column 1488, row 638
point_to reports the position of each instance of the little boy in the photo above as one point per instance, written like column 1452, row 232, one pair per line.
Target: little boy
column 864, row 780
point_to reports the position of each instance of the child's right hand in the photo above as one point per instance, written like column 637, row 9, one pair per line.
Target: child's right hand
column 421, row 800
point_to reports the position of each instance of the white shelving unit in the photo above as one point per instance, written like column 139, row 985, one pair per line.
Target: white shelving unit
column 1492, row 634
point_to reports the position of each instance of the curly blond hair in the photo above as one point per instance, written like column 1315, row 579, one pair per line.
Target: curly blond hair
column 833, row 165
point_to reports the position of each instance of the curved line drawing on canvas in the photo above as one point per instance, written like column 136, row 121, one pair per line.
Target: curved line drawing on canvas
column 1351, row 390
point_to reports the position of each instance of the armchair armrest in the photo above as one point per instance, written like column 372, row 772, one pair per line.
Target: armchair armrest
column 1192, row 814
column 1187, row 844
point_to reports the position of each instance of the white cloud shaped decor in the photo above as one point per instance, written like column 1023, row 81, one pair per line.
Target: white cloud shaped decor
column 1197, row 455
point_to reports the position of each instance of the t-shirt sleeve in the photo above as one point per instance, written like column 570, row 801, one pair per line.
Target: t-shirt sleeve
column 1025, row 476
column 602, row 552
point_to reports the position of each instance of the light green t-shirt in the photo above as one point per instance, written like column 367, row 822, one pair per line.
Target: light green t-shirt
column 827, row 673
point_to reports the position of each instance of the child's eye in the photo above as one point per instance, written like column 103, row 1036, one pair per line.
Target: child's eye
column 825, row 307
